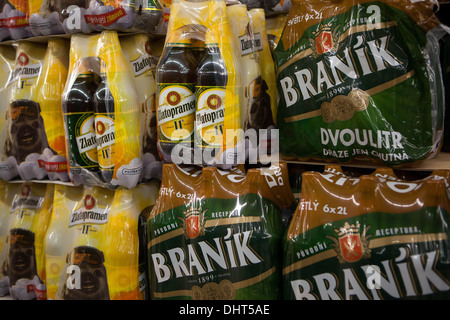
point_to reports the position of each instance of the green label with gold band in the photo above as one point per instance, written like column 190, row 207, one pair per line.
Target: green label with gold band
column 352, row 85
column 376, row 256
column 216, row 250
column 82, row 139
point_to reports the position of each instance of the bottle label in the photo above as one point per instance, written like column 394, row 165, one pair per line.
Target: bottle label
column 150, row 5
column 176, row 108
column 89, row 213
column 210, row 116
column 29, row 202
column 250, row 44
column 24, row 70
column 142, row 64
column 83, row 142
column 105, row 134
column 224, row 251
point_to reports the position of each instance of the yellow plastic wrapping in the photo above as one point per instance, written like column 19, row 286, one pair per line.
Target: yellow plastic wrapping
column 258, row 77
column 242, row 31
column 30, row 212
column 32, row 139
column 64, row 201
column 92, row 243
column 50, row 88
column 7, row 192
column 8, row 169
column 138, row 52
column 265, row 60
column 108, row 153
column 195, row 20
column 26, row 136
column 275, row 26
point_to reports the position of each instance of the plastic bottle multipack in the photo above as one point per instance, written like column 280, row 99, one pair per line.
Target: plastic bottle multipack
column 360, row 83
column 196, row 21
column 92, row 244
column 216, row 234
column 23, row 252
column 372, row 236
column 114, row 145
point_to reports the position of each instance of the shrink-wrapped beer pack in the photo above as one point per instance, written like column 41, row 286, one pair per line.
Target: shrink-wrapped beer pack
column 196, row 108
column 138, row 52
column 216, row 234
column 32, row 137
column 15, row 18
column 22, row 259
column 102, row 115
column 8, row 168
column 268, row 91
column 360, row 80
column 256, row 112
column 24, row 19
column 373, row 236
column 92, row 244
column 213, row 102
column 26, row 138
column 85, row 16
column 8, row 192
column 50, row 86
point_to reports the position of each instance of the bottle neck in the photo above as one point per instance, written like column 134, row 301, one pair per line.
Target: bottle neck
column 85, row 75
column 212, row 48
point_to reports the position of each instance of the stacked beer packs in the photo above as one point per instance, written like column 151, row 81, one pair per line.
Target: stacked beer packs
column 24, row 19
column 205, row 117
column 374, row 236
column 360, row 80
column 216, row 234
column 32, row 137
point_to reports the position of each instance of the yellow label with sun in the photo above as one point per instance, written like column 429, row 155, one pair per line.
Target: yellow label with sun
column 209, row 116
column 105, row 133
column 176, row 111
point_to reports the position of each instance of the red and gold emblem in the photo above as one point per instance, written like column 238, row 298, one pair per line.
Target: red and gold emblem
column 26, row 190
column 193, row 223
column 214, row 101
column 173, row 98
column 325, row 40
column 89, row 202
column 351, row 245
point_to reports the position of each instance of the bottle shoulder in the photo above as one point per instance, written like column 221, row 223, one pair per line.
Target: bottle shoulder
column 178, row 60
column 212, row 71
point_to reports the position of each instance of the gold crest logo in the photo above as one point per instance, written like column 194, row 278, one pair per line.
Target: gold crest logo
column 325, row 40
column 214, row 291
column 351, row 245
column 193, row 223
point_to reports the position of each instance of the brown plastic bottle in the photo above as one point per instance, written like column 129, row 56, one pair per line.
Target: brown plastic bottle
column 176, row 79
column 212, row 79
column 105, row 129
column 78, row 110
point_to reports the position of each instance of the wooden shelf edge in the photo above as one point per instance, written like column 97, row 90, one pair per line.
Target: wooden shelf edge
column 440, row 162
